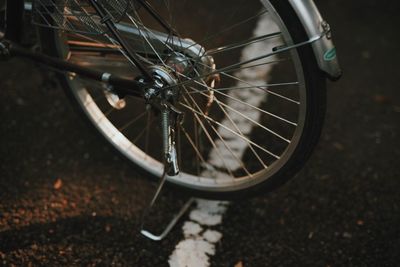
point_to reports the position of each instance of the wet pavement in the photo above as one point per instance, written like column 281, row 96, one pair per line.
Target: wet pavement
column 67, row 199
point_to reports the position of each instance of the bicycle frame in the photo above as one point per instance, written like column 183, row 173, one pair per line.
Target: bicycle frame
column 317, row 29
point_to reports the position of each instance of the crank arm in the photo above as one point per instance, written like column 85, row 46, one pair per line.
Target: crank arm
column 120, row 85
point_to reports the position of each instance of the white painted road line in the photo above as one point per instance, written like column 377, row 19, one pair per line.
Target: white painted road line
column 200, row 239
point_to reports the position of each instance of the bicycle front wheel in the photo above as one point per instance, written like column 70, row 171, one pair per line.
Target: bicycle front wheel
column 251, row 117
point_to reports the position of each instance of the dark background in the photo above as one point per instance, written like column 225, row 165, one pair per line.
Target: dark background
column 341, row 210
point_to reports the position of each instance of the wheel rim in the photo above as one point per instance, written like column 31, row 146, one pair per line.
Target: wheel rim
column 213, row 144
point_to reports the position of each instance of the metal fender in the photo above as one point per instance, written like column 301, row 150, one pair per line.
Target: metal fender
column 315, row 26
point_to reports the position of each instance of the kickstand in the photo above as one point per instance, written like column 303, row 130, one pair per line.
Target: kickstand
column 172, row 223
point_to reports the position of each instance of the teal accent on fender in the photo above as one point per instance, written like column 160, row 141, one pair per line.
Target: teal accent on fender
column 330, row 54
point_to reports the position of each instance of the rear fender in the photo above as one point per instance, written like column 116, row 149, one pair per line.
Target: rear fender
column 316, row 27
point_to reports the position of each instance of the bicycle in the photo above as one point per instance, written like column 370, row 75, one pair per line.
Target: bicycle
column 222, row 103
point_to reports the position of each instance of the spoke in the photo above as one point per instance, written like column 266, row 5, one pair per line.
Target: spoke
column 217, row 150
column 240, row 67
column 210, row 37
column 234, row 125
column 278, row 51
column 249, row 105
column 196, row 138
column 126, row 125
column 245, row 138
column 146, row 40
column 220, row 137
column 248, row 118
column 253, row 121
column 255, row 86
column 240, row 80
column 235, row 99
column 156, row 16
column 199, row 156
column 240, row 132
column 239, row 64
column 105, row 115
column 142, row 132
column 242, row 44
column 146, row 145
column 261, row 64
column 246, row 87
column 148, row 31
column 114, row 42
column 230, row 130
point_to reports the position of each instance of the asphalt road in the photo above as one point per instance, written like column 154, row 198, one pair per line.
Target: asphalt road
column 66, row 199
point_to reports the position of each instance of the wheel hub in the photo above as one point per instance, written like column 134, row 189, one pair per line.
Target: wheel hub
column 180, row 64
column 164, row 85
